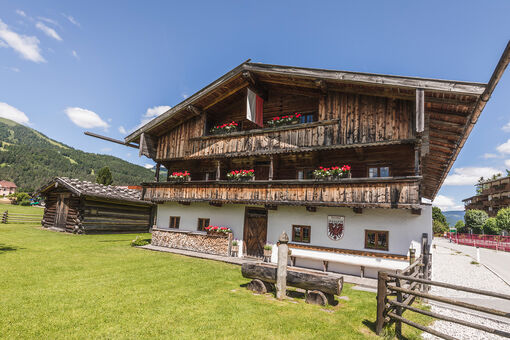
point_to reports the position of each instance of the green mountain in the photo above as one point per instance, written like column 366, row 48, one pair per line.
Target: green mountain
column 453, row 216
column 30, row 159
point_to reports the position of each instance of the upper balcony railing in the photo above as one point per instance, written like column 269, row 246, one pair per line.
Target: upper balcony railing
column 300, row 137
column 391, row 192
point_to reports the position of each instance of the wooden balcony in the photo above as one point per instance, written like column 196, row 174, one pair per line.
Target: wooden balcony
column 323, row 135
column 398, row 192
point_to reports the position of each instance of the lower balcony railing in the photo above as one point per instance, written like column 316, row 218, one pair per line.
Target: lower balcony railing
column 396, row 192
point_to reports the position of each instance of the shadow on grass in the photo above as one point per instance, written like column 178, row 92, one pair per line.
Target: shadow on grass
column 388, row 332
column 5, row 248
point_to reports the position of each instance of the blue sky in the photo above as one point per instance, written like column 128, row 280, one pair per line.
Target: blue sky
column 105, row 66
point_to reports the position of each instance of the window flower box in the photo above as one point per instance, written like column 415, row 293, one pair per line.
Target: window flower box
column 224, row 128
column 284, row 120
column 180, row 176
column 218, row 231
column 241, row 175
column 332, row 173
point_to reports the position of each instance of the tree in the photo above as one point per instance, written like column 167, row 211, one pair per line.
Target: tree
column 491, row 226
column 437, row 215
column 104, row 176
column 461, row 227
column 503, row 219
column 475, row 220
column 438, row 227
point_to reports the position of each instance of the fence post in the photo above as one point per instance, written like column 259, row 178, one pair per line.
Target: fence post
column 398, row 323
column 281, row 273
column 5, row 216
column 382, row 279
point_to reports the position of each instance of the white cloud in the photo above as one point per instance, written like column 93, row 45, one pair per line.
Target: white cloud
column 75, row 54
column 3, row 44
column 122, row 130
column 50, row 32
column 507, row 163
column 489, row 155
column 85, row 118
column 26, row 46
column 469, row 175
column 13, row 69
column 504, row 148
column 153, row 112
column 49, row 21
column 148, row 166
column 12, row 113
column 446, row 203
column 21, row 13
column 71, row 20
column 506, row 127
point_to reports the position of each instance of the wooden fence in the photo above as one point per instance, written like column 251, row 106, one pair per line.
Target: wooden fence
column 396, row 293
column 8, row 217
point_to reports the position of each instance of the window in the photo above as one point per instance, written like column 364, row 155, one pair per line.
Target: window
column 376, row 239
column 306, row 118
column 379, row 171
column 202, row 223
column 306, row 173
column 301, row 233
column 174, row 222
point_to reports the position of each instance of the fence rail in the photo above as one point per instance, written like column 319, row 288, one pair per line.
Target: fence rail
column 8, row 217
column 397, row 292
column 495, row 242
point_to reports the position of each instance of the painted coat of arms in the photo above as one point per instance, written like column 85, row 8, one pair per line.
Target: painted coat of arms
column 336, row 227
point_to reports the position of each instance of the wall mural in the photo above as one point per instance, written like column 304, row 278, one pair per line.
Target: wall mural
column 336, row 227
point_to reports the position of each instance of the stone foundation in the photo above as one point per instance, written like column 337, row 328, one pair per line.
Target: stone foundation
column 194, row 241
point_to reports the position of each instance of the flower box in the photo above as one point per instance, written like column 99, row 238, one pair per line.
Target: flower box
column 224, row 128
column 241, row 175
column 332, row 173
column 218, row 231
column 179, row 176
column 284, row 120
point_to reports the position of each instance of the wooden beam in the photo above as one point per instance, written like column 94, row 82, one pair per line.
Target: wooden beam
column 321, row 84
column 156, row 175
column 420, row 110
column 357, row 210
column 254, row 85
column 193, row 110
column 271, row 207
column 109, row 139
column 311, row 208
column 218, row 170
column 416, row 211
column 184, row 203
column 271, row 167
column 226, row 95
column 215, row 204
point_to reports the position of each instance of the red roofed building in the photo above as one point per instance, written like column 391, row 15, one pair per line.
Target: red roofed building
column 7, row 188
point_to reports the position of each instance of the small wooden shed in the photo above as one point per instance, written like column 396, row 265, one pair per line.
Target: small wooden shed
column 85, row 207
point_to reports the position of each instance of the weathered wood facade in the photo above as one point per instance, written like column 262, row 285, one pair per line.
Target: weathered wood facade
column 493, row 196
column 84, row 207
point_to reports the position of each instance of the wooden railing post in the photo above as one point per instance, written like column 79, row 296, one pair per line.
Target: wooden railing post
column 5, row 216
column 281, row 273
column 382, row 291
column 398, row 323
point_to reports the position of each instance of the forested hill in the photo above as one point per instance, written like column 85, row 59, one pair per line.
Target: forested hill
column 30, row 159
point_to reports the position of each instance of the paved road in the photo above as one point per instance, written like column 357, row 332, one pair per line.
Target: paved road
column 497, row 261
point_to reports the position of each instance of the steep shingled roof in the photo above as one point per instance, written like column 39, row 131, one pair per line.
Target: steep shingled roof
column 89, row 189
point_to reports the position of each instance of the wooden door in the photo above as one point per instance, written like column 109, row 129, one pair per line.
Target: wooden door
column 261, row 172
column 255, row 231
column 61, row 211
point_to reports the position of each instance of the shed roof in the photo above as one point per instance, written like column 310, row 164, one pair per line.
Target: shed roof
column 7, row 184
column 89, row 189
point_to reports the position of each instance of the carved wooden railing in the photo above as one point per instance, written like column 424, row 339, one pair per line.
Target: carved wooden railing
column 401, row 192
column 300, row 137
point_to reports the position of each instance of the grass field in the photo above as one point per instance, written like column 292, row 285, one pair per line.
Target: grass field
column 58, row 286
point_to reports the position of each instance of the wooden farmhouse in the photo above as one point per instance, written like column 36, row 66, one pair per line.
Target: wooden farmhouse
column 340, row 161
column 493, row 195
column 85, row 207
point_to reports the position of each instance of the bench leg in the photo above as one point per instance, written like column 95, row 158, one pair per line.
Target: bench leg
column 325, row 266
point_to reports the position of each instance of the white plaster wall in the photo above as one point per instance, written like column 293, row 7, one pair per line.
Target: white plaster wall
column 405, row 229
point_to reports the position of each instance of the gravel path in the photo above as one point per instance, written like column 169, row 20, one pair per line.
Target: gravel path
column 455, row 267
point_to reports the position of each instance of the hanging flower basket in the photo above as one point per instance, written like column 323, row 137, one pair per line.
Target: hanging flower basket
column 241, row 175
column 218, row 231
column 224, row 128
column 179, row 176
column 284, row 120
column 332, row 173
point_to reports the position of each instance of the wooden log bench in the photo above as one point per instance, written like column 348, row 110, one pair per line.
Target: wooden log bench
column 320, row 287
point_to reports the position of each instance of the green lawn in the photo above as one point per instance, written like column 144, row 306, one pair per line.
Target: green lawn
column 57, row 286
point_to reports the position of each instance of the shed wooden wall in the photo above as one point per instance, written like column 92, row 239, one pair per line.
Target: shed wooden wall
column 50, row 211
column 111, row 217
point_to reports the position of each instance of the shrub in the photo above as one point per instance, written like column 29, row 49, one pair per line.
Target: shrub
column 268, row 247
column 235, row 243
column 438, row 227
column 491, row 226
column 139, row 241
column 25, row 202
column 503, row 219
column 475, row 220
column 461, row 227
column 437, row 215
